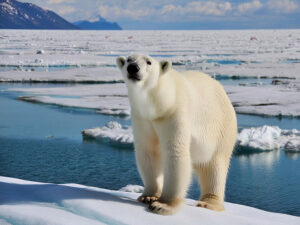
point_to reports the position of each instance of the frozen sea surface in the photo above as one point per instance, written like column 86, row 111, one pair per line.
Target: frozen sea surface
column 274, row 53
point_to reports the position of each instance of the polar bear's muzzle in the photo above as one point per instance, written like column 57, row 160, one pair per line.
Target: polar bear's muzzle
column 133, row 70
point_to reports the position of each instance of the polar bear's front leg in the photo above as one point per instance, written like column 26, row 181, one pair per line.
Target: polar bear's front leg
column 148, row 158
column 149, row 166
column 174, row 141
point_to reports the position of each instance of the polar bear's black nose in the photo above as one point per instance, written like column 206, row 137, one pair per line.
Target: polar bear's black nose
column 133, row 68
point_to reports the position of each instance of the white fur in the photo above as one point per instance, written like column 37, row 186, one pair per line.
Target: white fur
column 180, row 121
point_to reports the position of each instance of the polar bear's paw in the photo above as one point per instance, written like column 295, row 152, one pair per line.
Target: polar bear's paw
column 211, row 204
column 164, row 208
column 147, row 199
column 211, row 201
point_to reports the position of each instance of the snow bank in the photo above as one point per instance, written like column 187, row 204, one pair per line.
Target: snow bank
column 268, row 138
column 112, row 133
column 31, row 203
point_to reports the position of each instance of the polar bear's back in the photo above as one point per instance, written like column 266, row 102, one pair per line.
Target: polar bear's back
column 207, row 89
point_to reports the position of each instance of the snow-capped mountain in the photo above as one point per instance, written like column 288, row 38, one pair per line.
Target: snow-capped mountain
column 19, row 15
column 99, row 24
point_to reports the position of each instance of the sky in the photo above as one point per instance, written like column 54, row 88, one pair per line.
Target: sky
column 181, row 14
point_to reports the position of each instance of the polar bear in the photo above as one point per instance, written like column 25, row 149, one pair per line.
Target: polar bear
column 182, row 121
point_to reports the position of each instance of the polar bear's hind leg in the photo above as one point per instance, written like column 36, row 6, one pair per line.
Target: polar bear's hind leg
column 212, row 180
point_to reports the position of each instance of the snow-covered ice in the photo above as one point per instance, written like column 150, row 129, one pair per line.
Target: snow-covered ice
column 132, row 188
column 269, row 100
column 77, row 75
column 269, row 138
column 117, row 106
column 113, row 133
column 275, row 100
column 275, row 53
column 31, row 203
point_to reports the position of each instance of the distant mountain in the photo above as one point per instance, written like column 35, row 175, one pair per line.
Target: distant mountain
column 100, row 24
column 18, row 15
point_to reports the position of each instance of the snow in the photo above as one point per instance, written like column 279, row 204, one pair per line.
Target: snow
column 112, row 133
column 292, row 145
column 268, row 138
column 30, row 203
column 132, row 188
column 7, row 7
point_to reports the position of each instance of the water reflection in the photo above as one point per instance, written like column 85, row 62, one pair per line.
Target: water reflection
column 292, row 155
column 259, row 159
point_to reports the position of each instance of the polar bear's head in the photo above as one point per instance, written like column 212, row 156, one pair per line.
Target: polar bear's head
column 142, row 70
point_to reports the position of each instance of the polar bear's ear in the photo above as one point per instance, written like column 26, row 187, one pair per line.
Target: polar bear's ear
column 165, row 66
column 121, row 61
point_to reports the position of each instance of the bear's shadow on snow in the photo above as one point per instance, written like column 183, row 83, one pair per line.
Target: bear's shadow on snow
column 12, row 193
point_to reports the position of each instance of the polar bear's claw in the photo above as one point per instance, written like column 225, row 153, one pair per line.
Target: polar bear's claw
column 162, row 208
column 147, row 199
column 215, row 207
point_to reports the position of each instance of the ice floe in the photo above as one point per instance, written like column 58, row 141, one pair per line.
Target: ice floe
column 268, row 138
column 113, row 133
column 26, row 202
column 117, row 106
column 267, row 100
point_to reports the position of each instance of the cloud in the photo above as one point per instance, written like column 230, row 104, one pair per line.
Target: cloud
column 282, row 6
column 209, row 8
column 63, row 10
column 249, row 7
column 115, row 12
column 168, row 12
column 59, row 1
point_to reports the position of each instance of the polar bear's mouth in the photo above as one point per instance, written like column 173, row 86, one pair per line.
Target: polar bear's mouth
column 134, row 77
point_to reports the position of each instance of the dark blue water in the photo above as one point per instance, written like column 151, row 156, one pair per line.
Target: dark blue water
column 43, row 143
column 225, row 61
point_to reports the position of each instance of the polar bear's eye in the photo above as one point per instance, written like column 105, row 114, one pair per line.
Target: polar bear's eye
column 148, row 62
